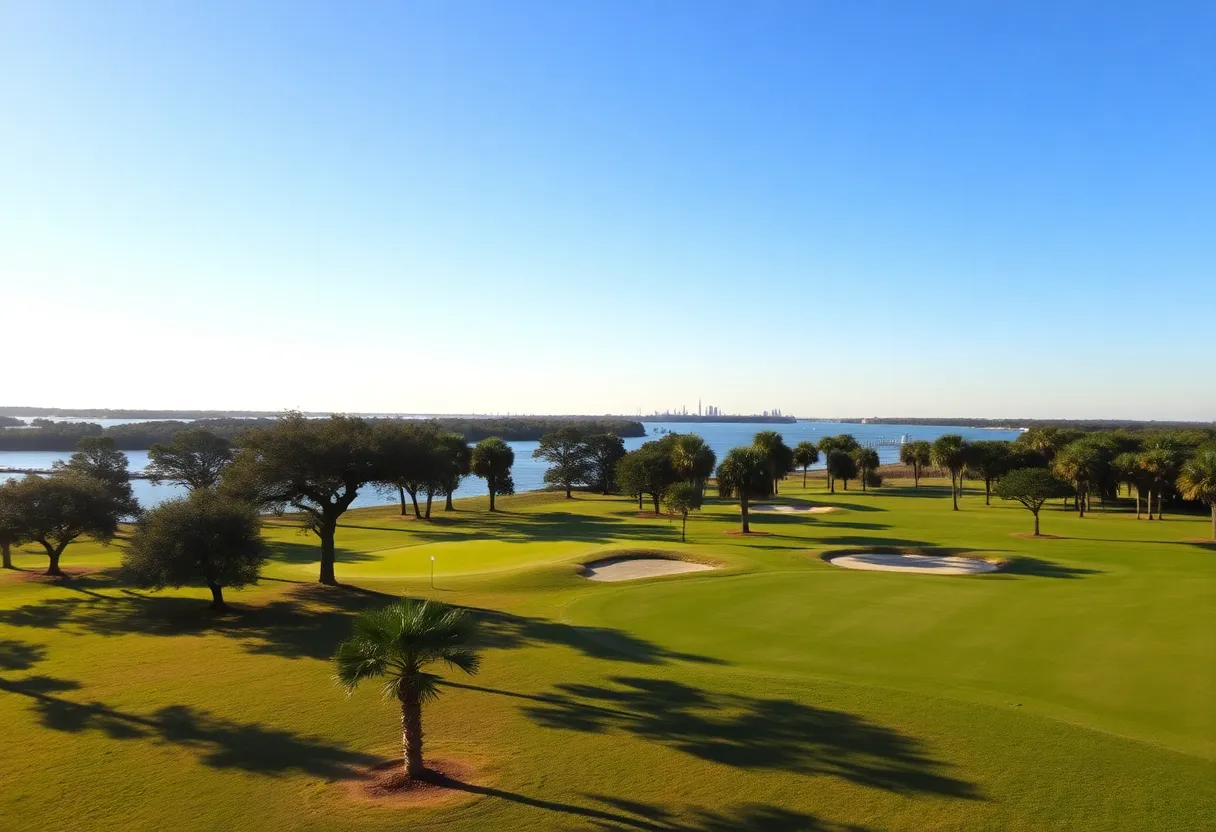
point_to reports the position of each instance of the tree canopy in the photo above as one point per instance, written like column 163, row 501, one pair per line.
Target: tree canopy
column 949, row 451
column 681, row 498
column 97, row 457
column 568, row 456
column 1197, row 481
column 916, row 455
column 1032, row 487
column 805, row 455
column 492, row 460
column 315, row 466
column 604, row 451
column 54, row 511
column 194, row 458
column 204, row 538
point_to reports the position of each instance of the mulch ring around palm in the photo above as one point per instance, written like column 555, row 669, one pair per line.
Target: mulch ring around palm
column 445, row 781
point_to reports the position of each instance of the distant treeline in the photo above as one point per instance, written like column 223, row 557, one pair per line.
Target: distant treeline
column 1074, row 424
column 139, row 436
column 10, row 422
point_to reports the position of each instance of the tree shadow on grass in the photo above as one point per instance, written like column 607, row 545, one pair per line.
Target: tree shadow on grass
column 1024, row 565
column 304, row 553
column 20, row 655
column 529, row 527
column 219, row 742
column 309, row 622
column 752, row 733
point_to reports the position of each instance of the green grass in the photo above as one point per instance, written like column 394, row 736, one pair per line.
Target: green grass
column 1074, row 691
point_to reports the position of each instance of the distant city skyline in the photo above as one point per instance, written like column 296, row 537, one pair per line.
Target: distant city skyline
column 979, row 209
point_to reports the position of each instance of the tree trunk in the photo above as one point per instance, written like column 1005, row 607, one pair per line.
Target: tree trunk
column 684, row 528
column 567, row 491
column 846, row 485
column 1160, row 504
column 1036, row 524
column 831, row 484
column 987, row 491
column 6, row 556
column 953, row 491
column 414, row 500
column 655, row 498
column 401, row 494
column 1150, row 504
column 863, row 480
column 53, row 552
column 640, row 501
column 915, row 475
column 429, row 498
column 1080, row 501
column 743, row 506
column 491, row 499
column 447, row 506
column 217, row 597
column 1214, row 520
column 804, row 467
column 411, row 736
column 329, row 528
column 1137, row 503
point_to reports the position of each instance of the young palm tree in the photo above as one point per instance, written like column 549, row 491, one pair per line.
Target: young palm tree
column 1197, row 481
column 805, row 455
column 397, row 643
column 917, row 455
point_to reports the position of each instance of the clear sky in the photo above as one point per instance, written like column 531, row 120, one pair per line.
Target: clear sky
column 832, row 207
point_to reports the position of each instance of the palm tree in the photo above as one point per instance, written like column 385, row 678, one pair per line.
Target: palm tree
column 805, row 455
column 744, row 474
column 1161, row 466
column 950, row 451
column 693, row 459
column 1076, row 462
column 867, row 463
column 1130, row 469
column 779, row 455
column 1197, row 481
column 397, row 643
column 916, row 454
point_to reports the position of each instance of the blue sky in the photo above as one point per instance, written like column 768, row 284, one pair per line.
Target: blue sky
column 835, row 208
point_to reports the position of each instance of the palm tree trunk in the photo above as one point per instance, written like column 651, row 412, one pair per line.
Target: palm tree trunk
column 953, row 491
column 804, row 467
column 411, row 736
column 1161, row 504
column 1214, row 520
column 1150, row 503
column 988, row 491
column 743, row 506
column 684, row 529
column 1137, row 502
column 1080, row 501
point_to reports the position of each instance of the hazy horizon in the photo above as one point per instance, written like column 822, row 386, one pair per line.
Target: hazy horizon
column 594, row 208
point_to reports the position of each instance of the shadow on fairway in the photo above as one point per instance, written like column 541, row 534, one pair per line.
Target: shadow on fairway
column 311, row 553
column 509, row 527
column 750, row 733
column 621, row 814
column 1024, row 565
column 308, row 622
column 219, row 743
column 20, row 655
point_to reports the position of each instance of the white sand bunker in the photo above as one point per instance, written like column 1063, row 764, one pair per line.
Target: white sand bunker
column 631, row 568
column 786, row 509
column 927, row 564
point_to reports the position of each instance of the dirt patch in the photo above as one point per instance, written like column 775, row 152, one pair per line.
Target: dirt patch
column 446, row 782
column 1033, row 536
column 741, row 533
column 784, row 508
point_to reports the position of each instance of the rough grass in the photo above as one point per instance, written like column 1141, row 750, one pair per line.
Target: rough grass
column 1074, row 690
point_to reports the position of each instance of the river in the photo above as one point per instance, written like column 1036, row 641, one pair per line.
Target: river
column 529, row 473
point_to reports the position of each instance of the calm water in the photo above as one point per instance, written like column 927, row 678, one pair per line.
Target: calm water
column 529, row 472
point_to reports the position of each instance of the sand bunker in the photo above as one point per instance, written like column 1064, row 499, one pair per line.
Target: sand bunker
column 631, row 568
column 927, row 564
column 785, row 509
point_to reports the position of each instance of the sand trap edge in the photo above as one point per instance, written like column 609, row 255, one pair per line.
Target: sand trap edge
column 651, row 564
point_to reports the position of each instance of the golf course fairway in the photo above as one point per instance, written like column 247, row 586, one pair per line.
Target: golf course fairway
column 1074, row 688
